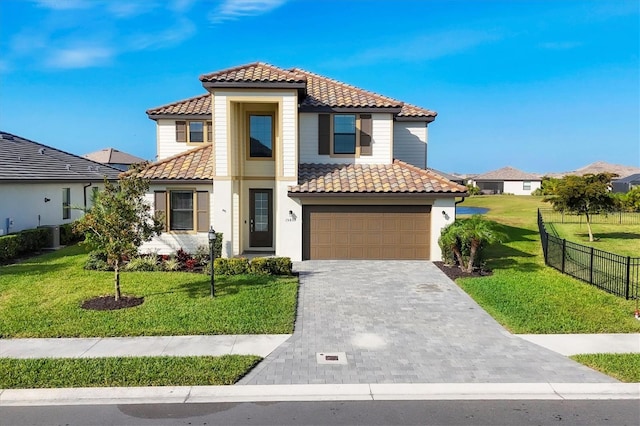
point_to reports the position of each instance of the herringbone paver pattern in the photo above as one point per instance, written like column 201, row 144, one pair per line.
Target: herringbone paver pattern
column 402, row 322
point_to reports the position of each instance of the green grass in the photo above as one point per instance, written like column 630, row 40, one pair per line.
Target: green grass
column 108, row 372
column 526, row 296
column 41, row 297
column 619, row 239
column 624, row 367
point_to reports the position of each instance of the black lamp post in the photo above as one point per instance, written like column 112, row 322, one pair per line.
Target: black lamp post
column 212, row 240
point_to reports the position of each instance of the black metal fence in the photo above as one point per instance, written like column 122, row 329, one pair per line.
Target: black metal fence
column 613, row 218
column 619, row 275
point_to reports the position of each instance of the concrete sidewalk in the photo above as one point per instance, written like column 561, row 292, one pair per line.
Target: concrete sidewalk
column 573, row 344
column 241, row 344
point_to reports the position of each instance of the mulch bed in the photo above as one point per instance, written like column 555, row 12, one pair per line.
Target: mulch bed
column 108, row 303
column 453, row 272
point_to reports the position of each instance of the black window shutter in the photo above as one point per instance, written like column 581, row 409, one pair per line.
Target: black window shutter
column 324, row 134
column 365, row 134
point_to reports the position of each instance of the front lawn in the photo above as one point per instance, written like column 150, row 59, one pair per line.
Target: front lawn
column 138, row 371
column 624, row 367
column 526, row 296
column 41, row 297
column 619, row 239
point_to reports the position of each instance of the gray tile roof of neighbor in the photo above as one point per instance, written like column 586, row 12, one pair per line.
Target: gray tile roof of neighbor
column 113, row 156
column 24, row 160
column 507, row 173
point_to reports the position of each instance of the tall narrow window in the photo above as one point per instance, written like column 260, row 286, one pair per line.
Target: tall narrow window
column 66, row 203
column 260, row 136
column 344, row 134
column 181, row 211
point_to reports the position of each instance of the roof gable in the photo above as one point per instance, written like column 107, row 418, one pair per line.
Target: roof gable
column 25, row 160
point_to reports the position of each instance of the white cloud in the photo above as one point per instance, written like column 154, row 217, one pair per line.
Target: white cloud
column 231, row 10
column 182, row 31
column 80, row 57
column 560, row 45
column 426, row 47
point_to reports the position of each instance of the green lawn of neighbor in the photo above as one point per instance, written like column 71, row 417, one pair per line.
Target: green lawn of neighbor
column 134, row 371
column 624, row 367
column 619, row 239
column 41, row 297
column 526, row 296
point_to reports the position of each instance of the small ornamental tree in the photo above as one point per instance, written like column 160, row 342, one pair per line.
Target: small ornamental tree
column 119, row 221
column 584, row 195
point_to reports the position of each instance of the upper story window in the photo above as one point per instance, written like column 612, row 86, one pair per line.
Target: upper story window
column 344, row 135
column 261, row 135
column 194, row 131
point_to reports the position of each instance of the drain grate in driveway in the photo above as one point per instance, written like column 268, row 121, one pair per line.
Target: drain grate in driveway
column 331, row 358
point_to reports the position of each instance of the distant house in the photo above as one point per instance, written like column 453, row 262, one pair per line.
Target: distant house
column 41, row 185
column 114, row 158
column 626, row 184
column 452, row 177
column 507, row 180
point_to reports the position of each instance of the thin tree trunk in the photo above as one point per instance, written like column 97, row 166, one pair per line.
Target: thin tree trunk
column 589, row 228
column 458, row 255
column 116, row 281
column 472, row 255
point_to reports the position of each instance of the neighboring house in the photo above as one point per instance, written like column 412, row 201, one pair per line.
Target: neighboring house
column 40, row 185
column 114, row 158
column 299, row 165
column 626, row 184
column 452, row 177
column 507, row 180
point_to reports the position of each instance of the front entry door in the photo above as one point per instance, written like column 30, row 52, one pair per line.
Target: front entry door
column 261, row 218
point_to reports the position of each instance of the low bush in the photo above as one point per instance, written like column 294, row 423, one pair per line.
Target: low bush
column 68, row 234
column 170, row 264
column 97, row 261
column 260, row 266
column 231, row 266
column 280, row 266
column 143, row 263
column 26, row 241
column 9, row 246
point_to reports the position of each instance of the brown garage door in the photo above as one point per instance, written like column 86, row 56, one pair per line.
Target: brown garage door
column 366, row 232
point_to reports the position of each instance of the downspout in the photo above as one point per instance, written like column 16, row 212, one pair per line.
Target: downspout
column 84, row 193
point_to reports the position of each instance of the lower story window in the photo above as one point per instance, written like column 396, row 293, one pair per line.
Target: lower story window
column 181, row 211
column 66, row 203
column 526, row 185
column 187, row 209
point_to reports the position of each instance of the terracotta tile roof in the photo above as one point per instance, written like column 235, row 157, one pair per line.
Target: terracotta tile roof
column 198, row 105
column 255, row 72
column 507, row 173
column 24, row 160
column 398, row 177
column 321, row 92
column 193, row 164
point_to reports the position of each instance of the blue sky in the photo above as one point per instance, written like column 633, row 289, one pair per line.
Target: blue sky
column 542, row 86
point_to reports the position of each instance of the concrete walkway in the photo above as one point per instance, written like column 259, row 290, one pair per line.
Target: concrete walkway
column 246, row 344
column 402, row 322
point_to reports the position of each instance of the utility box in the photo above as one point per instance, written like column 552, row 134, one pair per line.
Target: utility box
column 54, row 236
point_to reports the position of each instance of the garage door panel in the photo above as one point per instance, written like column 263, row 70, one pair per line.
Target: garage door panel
column 367, row 232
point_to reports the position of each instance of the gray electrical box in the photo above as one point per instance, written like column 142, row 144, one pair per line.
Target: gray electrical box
column 54, row 236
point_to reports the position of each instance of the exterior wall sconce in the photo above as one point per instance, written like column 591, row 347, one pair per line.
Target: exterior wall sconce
column 46, row 200
column 292, row 216
column 445, row 215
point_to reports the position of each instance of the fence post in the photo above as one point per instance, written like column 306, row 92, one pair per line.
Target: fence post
column 627, row 281
column 564, row 251
column 591, row 267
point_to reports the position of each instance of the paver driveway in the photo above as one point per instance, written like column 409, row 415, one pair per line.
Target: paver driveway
column 402, row 322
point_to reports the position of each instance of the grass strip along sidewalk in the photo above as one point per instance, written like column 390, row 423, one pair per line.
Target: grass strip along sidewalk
column 624, row 367
column 134, row 371
column 42, row 297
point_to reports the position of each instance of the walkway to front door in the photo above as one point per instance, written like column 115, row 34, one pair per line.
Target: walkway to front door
column 402, row 322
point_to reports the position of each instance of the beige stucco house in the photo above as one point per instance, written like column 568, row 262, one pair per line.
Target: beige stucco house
column 507, row 180
column 289, row 162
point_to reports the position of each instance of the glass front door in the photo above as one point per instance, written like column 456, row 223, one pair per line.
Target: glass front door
column 261, row 218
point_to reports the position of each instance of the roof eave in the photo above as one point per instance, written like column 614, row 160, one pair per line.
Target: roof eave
column 426, row 119
column 432, row 194
column 329, row 109
column 178, row 116
column 254, row 85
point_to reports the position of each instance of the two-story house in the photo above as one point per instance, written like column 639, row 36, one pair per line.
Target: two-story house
column 289, row 162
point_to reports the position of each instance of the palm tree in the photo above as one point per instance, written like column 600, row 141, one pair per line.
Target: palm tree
column 478, row 231
column 450, row 242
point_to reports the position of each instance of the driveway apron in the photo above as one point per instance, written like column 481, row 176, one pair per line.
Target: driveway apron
column 401, row 322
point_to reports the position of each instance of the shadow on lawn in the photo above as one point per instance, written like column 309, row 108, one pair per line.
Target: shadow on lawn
column 502, row 256
column 611, row 235
column 223, row 285
column 30, row 267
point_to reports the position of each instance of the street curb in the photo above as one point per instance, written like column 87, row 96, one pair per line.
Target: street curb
column 322, row 392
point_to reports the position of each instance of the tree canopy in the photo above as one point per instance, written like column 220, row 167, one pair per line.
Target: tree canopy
column 119, row 221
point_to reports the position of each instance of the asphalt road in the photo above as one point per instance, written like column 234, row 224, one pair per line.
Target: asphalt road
column 536, row 412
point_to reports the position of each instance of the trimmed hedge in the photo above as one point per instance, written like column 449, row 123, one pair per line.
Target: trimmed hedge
column 257, row 266
column 68, row 234
column 26, row 241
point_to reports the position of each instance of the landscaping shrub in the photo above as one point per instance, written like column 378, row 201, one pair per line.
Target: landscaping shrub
column 9, row 246
column 68, row 234
column 260, row 266
column 201, row 255
column 281, row 266
column 97, row 261
column 171, row 264
column 182, row 256
column 231, row 266
column 143, row 263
